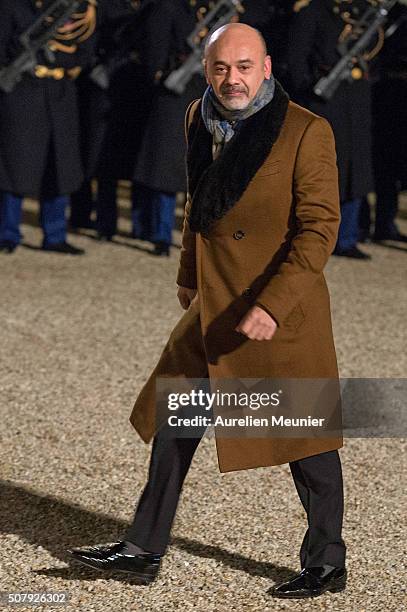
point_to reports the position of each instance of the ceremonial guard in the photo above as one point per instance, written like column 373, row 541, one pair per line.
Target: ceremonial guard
column 129, row 98
column 318, row 27
column 272, row 19
column 390, row 126
column 39, row 124
column 160, row 167
column 111, row 113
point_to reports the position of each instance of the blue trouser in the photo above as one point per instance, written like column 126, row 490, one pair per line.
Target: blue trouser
column 349, row 227
column 153, row 214
column 52, row 218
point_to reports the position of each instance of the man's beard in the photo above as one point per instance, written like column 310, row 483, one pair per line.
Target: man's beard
column 231, row 103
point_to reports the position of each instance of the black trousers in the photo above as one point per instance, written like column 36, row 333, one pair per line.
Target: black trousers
column 318, row 480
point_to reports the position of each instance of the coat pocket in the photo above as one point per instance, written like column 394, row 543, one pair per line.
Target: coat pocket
column 296, row 318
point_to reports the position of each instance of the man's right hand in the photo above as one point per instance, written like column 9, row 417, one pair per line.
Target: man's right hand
column 186, row 296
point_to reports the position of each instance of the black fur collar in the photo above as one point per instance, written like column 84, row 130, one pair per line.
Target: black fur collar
column 216, row 186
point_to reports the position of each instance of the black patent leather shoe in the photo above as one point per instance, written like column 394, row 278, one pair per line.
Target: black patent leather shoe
column 64, row 248
column 312, row 582
column 7, row 246
column 112, row 558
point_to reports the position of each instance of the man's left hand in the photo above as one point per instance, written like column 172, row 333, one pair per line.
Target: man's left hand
column 257, row 324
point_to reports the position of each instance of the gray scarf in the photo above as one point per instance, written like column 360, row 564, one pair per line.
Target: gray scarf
column 221, row 122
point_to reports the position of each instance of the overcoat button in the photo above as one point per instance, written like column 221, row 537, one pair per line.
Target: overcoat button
column 247, row 292
column 239, row 235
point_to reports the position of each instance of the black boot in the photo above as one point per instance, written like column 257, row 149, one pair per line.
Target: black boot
column 352, row 252
column 63, row 247
column 161, row 249
column 7, row 246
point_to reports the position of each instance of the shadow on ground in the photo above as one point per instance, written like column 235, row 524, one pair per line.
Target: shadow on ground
column 56, row 526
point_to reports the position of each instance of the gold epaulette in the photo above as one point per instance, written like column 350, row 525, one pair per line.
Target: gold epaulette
column 78, row 29
column 300, row 4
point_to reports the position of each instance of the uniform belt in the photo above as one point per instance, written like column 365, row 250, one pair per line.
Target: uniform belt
column 43, row 72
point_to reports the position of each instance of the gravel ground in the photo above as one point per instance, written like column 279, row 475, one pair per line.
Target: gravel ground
column 79, row 337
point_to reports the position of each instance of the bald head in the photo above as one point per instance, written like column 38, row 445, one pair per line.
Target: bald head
column 236, row 64
column 236, row 32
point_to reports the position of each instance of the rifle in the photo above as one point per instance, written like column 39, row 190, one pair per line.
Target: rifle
column 125, row 45
column 35, row 39
column 219, row 15
column 370, row 22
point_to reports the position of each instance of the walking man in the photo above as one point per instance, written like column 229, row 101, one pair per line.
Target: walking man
column 260, row 224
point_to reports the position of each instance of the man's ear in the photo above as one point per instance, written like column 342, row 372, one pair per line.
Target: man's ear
column 268, row 66
column 205, row 66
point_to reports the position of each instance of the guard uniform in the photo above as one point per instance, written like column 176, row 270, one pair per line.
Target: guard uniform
column 272, row 19
column 39, row 125
column 316, row 29
column 129, row 98
column 111, row 113
column 160, row 167
column 390, row 126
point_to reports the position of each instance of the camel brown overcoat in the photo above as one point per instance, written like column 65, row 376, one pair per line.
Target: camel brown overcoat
column 269, row 249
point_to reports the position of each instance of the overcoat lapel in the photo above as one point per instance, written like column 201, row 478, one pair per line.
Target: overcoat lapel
column 216, row 186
